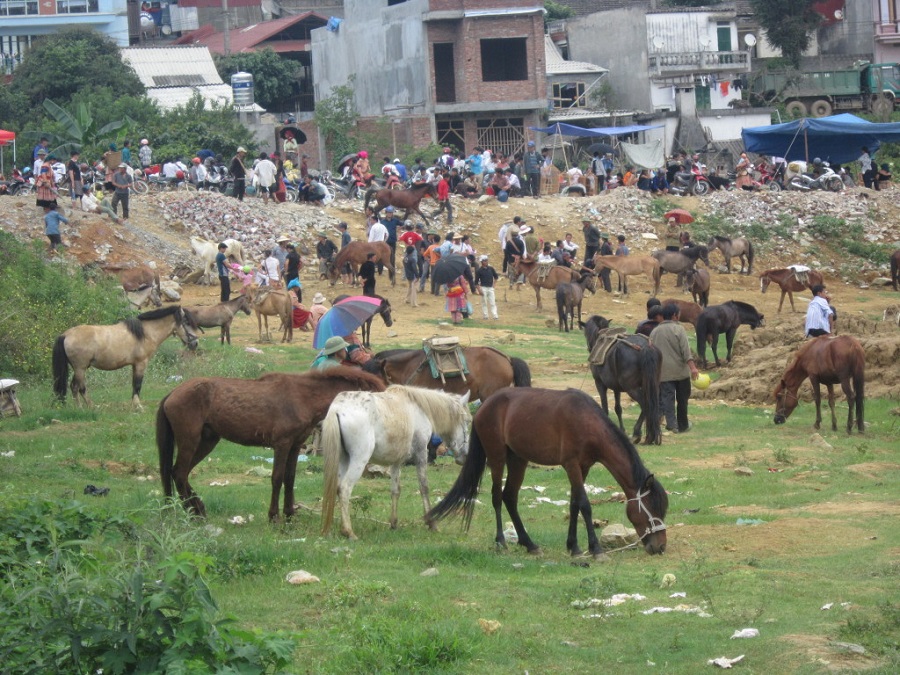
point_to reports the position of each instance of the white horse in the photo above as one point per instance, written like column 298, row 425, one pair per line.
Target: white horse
column 386, row 428
column 207, row 250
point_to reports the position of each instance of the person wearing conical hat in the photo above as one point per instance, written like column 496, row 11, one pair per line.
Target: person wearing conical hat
column 332, row 355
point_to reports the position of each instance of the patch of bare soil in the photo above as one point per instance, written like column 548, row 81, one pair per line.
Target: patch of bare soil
column 820, row 652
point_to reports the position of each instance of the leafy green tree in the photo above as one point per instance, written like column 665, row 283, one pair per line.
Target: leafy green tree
column 556, row 11
column 79, row 129
column 13, row 108
column 59, row 65
column 336, row 118
column 789, row 25
column 198, row 124
column 274, row 77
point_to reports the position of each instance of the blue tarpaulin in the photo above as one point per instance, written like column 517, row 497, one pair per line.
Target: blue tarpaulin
column 837, row 139
column 571, row 130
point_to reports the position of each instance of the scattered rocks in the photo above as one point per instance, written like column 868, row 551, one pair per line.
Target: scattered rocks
column 743, row 471
column 617, row 536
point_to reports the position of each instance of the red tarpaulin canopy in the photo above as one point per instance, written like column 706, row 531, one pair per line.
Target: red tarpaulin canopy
column 7, row 137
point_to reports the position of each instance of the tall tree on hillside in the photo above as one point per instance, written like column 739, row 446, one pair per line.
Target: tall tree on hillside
column 789, row 25
column 274, row 77
column 76, row 58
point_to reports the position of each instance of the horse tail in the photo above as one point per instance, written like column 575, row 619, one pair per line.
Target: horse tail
column 461, row 496
column 332, row 445
column 651, row 361
column 701, row 330
column 859, row 387
column 165, row 445
column 521, row 372
column 749, row 256
column 561, row 306
column 60, row 367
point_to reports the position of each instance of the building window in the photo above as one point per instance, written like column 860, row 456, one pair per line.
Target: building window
column 18, row 7
column 76, row 6
column 501, row 134
column 451, row 132
column 504, row 59
column 12, row 47
column 569, row 95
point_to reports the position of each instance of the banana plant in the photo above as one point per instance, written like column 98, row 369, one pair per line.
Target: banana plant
column 79, row 129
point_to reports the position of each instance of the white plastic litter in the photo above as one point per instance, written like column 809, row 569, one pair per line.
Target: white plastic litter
column 220, row 483
column 678, row 594
column 668, row 581
column 617, row 599
column 10, row 453
column 301, row 577
column 537, row 488
column 547, row 500
column 253, row 350
column 745, row 633
column 724, row 661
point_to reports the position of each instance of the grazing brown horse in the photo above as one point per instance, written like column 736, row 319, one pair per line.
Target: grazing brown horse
column 408, row 199
column 489, row 370
column 788, row 282
column 688, row 312
column 569, row 297
column 267, row 302
column 557, row 274
column 698, row 283
column 220, row 315
column 278, row 410
column 825, row 360
column 131, row 342
column 141, row 285
column 355, row 253
column 739, row 247
column 895, row 269
column 724, row 318
column 553, row 428
column 624, row 265
column 384, row 311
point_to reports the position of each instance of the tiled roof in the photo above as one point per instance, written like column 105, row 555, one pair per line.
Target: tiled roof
column 247, row 39
column 557, row 65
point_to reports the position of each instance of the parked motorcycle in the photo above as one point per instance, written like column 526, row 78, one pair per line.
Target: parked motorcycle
column 826, row 180
column 691, row 182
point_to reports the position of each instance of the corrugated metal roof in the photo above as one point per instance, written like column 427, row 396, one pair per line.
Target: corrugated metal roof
column 557, row 65
column 156, row 65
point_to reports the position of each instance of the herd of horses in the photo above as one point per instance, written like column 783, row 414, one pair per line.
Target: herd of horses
column 387, row 411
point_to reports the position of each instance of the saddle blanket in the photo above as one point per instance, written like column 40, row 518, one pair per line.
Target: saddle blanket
column 800, row 273
column 544, row 270
column 606, row 340
column 445, row 357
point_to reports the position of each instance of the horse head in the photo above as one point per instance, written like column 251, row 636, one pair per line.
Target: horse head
column 588, row 279
column 458, row 443
column 764, row 282
column 703, row 254
column 646, row 511
column 785, row 402
column 592, row 327
column 384, row 309
column 186, row 328
column 244, row 304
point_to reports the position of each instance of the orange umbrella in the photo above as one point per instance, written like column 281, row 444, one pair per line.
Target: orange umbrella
column 681, row 216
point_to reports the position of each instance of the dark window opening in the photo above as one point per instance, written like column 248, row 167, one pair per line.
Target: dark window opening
column 569, row 95
column 504, row 59
column 444, row 73
column 391, row 3
column 452, row 133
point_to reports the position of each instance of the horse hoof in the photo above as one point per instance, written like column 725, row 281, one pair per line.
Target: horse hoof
column 536, row 551
column 601, row 557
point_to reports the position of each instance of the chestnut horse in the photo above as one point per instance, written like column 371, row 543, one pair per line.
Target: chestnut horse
column 553, row 428
column 698, row 283
column 355, row 253
column 408, row 199
column 278, row 410
column 825, row 360
column 688, row 312
column 489, row 370
column 623, row 265
column 557, row 274
column 788, row 282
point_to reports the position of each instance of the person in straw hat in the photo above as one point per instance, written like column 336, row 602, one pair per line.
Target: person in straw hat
column 280, row 252
column 318, row 309
column 332, row 355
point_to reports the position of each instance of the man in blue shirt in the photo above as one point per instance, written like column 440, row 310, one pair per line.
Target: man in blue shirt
column 391, row 223
column 52, row 219
column 401, row 169
column 222, row 269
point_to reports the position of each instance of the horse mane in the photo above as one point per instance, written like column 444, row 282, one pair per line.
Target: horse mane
column 639, row 473
column 161, row 313
column 135, row 327
column 724, row 240
column 442, row 409
column 742, row 306
column 364, row 381
column 592, row 326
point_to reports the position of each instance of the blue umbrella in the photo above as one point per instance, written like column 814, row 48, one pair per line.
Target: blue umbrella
column 345, row 317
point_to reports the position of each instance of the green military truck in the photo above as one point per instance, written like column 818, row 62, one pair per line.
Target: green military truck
column 820, row 93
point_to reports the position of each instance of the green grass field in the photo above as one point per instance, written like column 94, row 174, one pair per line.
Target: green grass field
column 825, row 532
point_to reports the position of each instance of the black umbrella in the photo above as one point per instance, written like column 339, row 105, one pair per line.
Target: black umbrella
column 347, row 158
column 448, row 268
column 602, row 148
column 296, row 132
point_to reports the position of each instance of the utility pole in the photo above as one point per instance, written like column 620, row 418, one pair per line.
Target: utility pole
column 227, row 34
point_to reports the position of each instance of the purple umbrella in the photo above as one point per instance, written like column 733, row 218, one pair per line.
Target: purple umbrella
column 345, row 317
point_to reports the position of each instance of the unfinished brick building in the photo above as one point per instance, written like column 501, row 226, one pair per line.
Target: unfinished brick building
column 446, row 71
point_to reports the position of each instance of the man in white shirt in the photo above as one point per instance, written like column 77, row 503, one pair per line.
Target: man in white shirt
column 169, row 169
column 39, row 162
column 270, row 266
column 378, row 232
column 819, row 314
column 265, row 173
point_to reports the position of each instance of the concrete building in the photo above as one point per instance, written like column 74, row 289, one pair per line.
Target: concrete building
column 445, row 71
column 21, row 21
column 887, row 31
column 571, row 86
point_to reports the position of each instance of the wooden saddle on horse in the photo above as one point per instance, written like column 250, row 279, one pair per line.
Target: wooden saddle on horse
column 9, row 404
column 544, row 270
column 607, row 339
column 445, row 357
column 800, row 274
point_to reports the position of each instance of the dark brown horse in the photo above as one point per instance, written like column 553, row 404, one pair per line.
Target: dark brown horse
column 724, row 318
column 489, row 370
column 569, row 297
column 739, row 247
column 825, row 360
column 278, row 410
column 570, row 431
column 633, row 366
column 220, row 315
column 788, row 282
column 408, row 199
column 557, row 274
column 895, row 269
column 384, row 311
column 354, row 254
column 698, row 283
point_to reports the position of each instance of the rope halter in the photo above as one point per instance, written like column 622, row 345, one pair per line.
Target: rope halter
column 656, row 524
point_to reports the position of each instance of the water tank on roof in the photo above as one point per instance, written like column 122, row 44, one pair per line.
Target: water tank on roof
column 242, row 88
